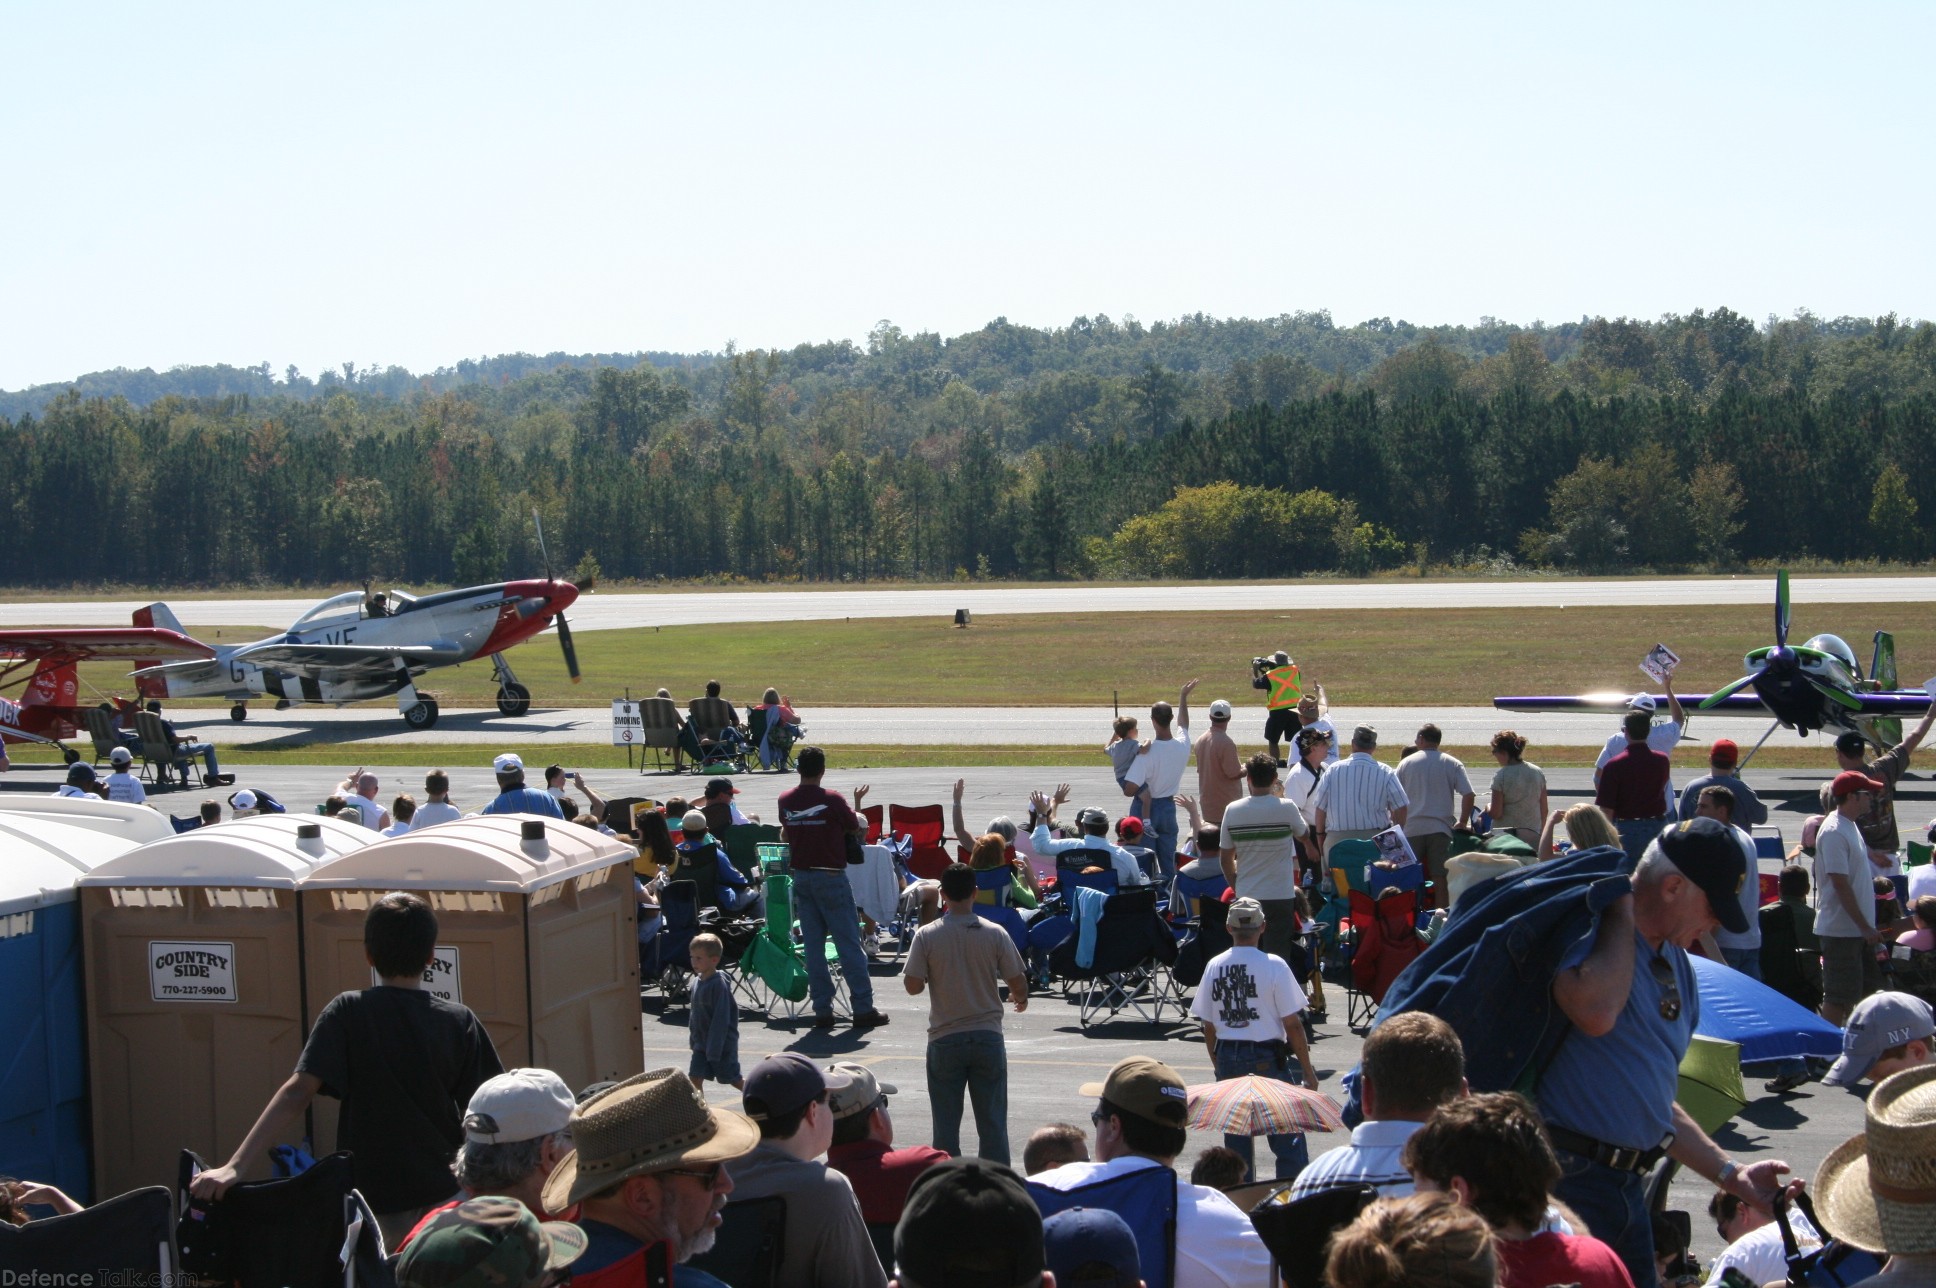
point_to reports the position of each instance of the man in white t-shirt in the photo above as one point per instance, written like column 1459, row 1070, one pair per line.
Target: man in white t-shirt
column 123, row 786
column 1845, row 904
column 1432, row 780
column 1258, row 842
column 1248, row 1005
column 1140, row 1124
column 81, row 782
column 1740, row 950
column 1663, row 737
column 359, row 791
column 438, row 808
column 1755, row 1246
column 1156, row 776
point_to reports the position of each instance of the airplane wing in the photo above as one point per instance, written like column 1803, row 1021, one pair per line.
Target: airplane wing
column 1739, row 704
column 81, row 644
column 331, row 660
column 1897, row 702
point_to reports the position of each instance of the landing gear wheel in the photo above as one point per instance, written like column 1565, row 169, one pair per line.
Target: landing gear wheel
column 423, row 715
column 238, row 713
column 69, row 755
column 513, row 700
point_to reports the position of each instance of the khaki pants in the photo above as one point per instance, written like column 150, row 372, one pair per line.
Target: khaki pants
column 1433, row 849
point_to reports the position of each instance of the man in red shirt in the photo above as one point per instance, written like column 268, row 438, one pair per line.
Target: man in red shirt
column 863, row 1148
column 816, row 824
column 1633, row 788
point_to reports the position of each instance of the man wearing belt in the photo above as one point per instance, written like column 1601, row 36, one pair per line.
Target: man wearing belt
column 1249, row 1004
column 1633, row 788
column 1608, row 1092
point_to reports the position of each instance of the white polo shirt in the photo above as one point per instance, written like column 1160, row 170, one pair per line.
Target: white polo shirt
column 1162, row 769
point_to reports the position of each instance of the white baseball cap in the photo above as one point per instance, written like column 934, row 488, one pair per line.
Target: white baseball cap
column 510, row 761
column 524, row 1104
column 244, row 799
column 1220, row 710
column 1641, row 702
column 121, row 756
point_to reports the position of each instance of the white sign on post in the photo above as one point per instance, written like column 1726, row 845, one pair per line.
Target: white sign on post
column 191, row 971
column 1660, row 660
column 628, row 726
column 440, row 978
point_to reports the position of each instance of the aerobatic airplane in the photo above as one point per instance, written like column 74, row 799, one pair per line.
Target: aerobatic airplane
column 1813, row 686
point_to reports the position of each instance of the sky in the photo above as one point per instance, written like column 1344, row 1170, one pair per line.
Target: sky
column 414, row 184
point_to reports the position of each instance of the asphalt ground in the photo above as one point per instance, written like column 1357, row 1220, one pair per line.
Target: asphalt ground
column 612, row 610
column 1050, row 1055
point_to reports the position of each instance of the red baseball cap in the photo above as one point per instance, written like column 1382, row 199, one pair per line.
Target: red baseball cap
column 1724, row 750
column 1854, row 780
column 1129, row 825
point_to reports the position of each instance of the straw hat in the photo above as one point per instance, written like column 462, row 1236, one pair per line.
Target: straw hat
column 644, row 1124
column 1878, row 1191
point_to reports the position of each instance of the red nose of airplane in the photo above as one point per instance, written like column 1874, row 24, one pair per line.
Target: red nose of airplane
column 554, row 596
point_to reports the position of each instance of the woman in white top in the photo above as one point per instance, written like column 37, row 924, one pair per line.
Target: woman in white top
column 1518, row 789
column 1301, row 782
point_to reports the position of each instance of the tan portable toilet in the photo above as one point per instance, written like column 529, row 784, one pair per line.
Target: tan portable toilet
column 537, row 932
column 137, row 823
column 194, row 988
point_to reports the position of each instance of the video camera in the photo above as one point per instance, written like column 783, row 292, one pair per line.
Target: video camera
column 1261, row 667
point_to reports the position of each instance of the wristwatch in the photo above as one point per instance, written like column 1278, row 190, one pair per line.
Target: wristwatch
column 1728, row 1169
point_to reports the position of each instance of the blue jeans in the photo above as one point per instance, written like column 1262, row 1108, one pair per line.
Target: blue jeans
column 1635, row 833
column 1614, row 1206
column 1745, row 960
column 1266, row 1060
column 977, row 1062
column 1162, row 833
column 824, row 903
column 206, row 750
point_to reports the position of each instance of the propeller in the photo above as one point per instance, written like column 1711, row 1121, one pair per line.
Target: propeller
column 1719, row 696
column 564, row 627
column 1781, row 607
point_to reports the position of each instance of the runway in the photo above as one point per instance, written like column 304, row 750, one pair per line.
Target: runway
column 620, row 610
column 1086, row 728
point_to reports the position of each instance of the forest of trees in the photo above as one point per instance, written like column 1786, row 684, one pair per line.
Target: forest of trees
column 1198, row 448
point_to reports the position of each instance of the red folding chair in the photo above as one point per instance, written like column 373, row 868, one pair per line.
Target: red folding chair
column 873, row 816
column 925, row 826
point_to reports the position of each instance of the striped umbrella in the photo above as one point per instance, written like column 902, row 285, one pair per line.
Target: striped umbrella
column 1254, row 1106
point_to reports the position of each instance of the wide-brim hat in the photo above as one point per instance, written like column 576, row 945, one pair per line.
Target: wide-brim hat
column 1878, row 1190
column 648, row 1123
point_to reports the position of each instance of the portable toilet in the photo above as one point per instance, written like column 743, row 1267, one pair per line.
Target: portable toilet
column 43, row 1068
column 537, row 933
column 137, row 823
column 194, row 999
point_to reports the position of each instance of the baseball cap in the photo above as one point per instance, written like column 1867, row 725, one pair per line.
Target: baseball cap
column 1850, row 743
column 1245, row 914
column 121, row 756
column 524, row 1104
column 1145, row 1087
column 509, row 763
column 79, row 772
column 859, row 1090
column 1091, row 817
column 1854, row 780
column 1879, row 1021
column 782, row 1083
column 1707, row 854
column 1091, row 1246
column 978, row 1198
column 1724, row 750
column 244, row 799
column 1220, row 710
column 1641, row 702
column 488, row 1243
column 714, row 786
column 694, row 821
column 1129, row 825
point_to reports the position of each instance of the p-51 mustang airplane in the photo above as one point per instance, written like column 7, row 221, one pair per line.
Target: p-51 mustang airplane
column 348, row 648
column 1813, row 686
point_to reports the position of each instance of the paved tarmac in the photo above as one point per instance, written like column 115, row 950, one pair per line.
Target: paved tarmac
column 1084, row 727
column 1049, row 1053
column 601, row 610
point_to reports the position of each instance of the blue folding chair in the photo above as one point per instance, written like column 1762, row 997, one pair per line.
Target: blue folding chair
column 1104, row 880
column 992, row 886
column 1008, row 919
column 1144, row 1198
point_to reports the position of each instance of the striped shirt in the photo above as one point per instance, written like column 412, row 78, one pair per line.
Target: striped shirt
column 1260, row 832
column 1358, row 794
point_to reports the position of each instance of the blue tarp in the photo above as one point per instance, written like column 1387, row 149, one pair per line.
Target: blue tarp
column 1767, row 1025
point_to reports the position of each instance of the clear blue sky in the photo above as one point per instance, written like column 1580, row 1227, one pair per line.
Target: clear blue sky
column 418, row 183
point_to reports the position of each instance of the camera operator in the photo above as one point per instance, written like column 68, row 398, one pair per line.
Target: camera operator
column 1281, row 723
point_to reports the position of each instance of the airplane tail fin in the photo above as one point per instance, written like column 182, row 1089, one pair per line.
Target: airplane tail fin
column 1882, row 671
column 161, row 616
column 53, row 686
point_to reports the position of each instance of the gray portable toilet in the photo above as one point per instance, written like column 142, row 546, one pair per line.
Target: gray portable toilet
column 194, row 1000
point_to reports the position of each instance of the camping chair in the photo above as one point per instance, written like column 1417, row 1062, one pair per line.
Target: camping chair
column 101, row 728
column 772, row 739
column 750, row 1242
column 1785, row 967
column 873, row 815
column 665, row 959
column 1298, row 1231
column 992, row 886
column 310, row 1230
column 130, row 1237
column 1384, row 940
column 1129, row 971
column 1189, row 895
column 1767, row 841
column 158, row 752
column 1008, row 919
column 922, row 824
column 1205, row 937
column 743, row 842
column 1145, row 1199
column 660, row 731
column 713, row 729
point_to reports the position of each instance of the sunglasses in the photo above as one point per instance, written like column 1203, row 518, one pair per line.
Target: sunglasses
column 710, row 1175
column 1670, row 989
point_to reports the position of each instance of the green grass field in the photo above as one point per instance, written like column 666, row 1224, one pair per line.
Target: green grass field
column 1435, row 657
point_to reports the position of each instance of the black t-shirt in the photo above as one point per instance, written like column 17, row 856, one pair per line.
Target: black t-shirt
column 404, row 1064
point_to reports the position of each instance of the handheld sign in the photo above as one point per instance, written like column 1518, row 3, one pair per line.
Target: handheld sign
column 628, row 726
column 1660, row 660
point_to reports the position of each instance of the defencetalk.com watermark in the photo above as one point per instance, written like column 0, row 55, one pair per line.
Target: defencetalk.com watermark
column 95, row 1279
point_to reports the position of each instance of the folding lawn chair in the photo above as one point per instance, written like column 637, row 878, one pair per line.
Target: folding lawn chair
column 1146, row 1200
column 101, row 729
column 872, row 814
column 310, row 1230
column 1009, row 920
column 750, row 1241
column 129, row 1238
column 713, row 736
column 1383, row 941
column 922, row 824
column 660, row 732
column 1129, row 969
column 1205, row 935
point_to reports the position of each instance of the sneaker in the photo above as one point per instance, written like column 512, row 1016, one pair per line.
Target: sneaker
column 824, row 1021
column 871, row 945
column 869, row 1020
column 1785, row 1083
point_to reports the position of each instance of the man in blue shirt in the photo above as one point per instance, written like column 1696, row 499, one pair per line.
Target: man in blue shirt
column 1608, row 1093
column 1722, row 759
column 513, row 797
column 1094, row 826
